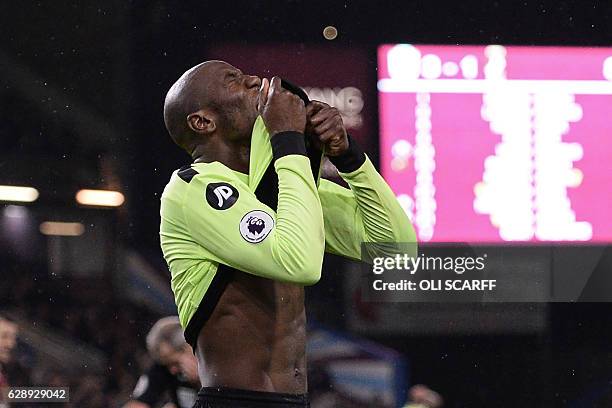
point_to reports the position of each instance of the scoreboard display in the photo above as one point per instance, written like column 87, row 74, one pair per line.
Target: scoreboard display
column 492, row 143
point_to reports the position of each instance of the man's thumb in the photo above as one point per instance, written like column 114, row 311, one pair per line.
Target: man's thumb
column 275, row 86
column 263, row 94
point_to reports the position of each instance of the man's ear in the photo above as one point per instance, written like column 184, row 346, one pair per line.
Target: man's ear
column 201, row 122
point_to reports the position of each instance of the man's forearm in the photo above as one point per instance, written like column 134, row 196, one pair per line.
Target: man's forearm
column 299, row 228
column 383, row 218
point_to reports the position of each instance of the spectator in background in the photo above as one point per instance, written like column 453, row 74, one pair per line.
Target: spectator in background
column 420, row 396
column 11, row 372
column 174, row 374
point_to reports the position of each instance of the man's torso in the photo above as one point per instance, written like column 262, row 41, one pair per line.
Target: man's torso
column 254, row 336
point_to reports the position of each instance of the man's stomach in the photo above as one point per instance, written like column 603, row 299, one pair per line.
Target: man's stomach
column 255, row 338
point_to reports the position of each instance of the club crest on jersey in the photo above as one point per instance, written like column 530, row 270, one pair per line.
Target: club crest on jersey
column 255, row 226
column 221, row 196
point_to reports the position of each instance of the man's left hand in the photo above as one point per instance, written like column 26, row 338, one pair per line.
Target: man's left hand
column 325, row 126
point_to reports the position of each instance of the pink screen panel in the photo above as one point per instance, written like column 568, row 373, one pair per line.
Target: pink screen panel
column 493, row 143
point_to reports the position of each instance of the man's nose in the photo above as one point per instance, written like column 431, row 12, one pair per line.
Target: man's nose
column 252, row 81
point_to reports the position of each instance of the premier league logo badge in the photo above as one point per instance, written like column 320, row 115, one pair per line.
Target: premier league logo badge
column 255, row 226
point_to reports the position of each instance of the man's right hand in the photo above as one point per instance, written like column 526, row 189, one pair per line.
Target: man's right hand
column 281, row 110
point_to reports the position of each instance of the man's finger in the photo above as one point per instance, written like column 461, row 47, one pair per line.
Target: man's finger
column 328, row 135
column 325, row 126
column 275, row 86
column 322, row 116
column 314, row 107
column 263, row 94
column 331, row 141
column 265, row 89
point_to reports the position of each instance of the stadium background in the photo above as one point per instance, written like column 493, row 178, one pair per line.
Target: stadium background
column 81, row 99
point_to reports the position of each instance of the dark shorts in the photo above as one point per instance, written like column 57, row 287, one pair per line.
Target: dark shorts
column 220, row 397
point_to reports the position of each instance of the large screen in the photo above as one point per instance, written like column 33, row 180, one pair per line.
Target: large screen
column 494, row 143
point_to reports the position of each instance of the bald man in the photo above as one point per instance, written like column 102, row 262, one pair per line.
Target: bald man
column 174, row 372
column 241, row 248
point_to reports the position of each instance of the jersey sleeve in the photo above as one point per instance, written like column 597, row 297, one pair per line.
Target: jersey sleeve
column 368, row 211
column 240, row 231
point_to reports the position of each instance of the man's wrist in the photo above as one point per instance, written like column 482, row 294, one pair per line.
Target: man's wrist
column 286, row 143
column 351, row 159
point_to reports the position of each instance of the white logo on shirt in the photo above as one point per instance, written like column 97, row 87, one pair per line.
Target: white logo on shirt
column 222, row 193
column 256, row 225
column 221, row 196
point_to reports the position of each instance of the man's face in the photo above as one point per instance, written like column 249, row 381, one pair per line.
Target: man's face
column 8, row 340
column 236, row 96
column 171, row 357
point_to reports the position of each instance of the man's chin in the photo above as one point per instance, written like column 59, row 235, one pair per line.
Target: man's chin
column 252, row 123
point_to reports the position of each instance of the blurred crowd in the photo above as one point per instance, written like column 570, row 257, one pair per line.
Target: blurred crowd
column 88, row 311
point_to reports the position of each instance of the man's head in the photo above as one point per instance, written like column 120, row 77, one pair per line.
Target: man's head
column 8, row 339
column 212, row 103
column 166, row 344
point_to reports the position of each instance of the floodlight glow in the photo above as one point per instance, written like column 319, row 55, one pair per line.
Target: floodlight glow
column 18, row 194
column 100, row 198
column 66, row 229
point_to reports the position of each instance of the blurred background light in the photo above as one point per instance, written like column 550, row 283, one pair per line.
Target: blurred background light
column 18, row 194
column 100, row 198
column 67, row 229
column 15, row 211
column 330, row 33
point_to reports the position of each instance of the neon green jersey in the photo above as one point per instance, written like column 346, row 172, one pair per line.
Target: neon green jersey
column 213, row 218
